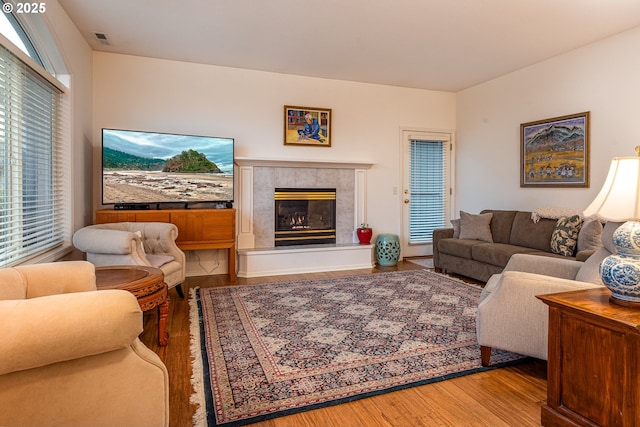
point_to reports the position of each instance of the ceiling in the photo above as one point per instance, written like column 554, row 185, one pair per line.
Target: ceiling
column 446, row 45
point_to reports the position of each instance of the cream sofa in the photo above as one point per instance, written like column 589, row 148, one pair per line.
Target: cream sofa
column 70, row 355
column 509, row 315
column 135, row 243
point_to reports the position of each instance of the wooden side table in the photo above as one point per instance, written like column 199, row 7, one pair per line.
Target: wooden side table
column 146, row 283
column 593, row 362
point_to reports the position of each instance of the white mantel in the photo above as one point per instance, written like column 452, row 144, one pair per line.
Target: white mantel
column 251, row 201
column 302, row 163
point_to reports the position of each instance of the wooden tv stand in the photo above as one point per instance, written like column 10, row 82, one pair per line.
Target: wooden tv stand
column 197, row 228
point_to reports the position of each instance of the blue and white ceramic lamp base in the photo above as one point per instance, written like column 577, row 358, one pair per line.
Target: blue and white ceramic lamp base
column 621, row 272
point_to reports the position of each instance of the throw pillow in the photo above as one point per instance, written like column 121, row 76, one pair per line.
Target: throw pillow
column 589, row 237
column 456, row 228
column 476, row 227
column 564, row 238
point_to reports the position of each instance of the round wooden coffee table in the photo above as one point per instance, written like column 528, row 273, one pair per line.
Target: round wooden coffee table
column 146, row 283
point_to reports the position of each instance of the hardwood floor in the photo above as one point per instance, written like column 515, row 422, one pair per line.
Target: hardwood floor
column 505, row 397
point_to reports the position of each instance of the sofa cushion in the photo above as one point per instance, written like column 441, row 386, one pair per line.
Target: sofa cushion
column 457, row 247
column 501, row 224
column 550, row 254
column 496, row 253
column 564, row 238
column 475, row 227
column 535, row 235
column 584, row 255
column 158, row 260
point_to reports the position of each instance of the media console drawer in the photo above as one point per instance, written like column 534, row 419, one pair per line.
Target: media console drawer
column 197, row 228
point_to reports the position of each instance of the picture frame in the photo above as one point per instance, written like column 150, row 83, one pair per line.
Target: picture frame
column 308, row 126
column 555, row 152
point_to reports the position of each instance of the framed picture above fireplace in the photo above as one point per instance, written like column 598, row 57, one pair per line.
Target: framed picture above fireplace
column 307, row 126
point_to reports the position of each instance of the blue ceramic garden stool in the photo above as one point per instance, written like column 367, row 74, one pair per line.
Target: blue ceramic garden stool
column 387, row 249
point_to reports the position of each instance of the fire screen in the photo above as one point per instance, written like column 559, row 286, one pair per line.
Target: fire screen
column 305, row 216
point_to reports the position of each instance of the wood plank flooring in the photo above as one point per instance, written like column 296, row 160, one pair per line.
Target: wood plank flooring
column 503, row 397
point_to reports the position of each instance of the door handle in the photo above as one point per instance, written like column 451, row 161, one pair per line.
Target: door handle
column 406, row 201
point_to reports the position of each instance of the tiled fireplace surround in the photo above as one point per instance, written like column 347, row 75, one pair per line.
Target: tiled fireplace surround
column 257, row 254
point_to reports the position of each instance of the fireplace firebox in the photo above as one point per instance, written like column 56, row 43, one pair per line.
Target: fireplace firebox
column 305, row 216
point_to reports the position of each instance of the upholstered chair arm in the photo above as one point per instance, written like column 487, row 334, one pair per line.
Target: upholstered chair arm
column 442, row 233
column 57, row 278
column 509, row 315
column 67, row 326
column 110, row 246
column 438, row 234
column 549, row 266
column 105, row 241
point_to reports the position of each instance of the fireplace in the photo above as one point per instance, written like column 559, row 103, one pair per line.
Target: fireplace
column 305, row 216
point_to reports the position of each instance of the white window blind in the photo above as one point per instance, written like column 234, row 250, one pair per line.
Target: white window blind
column 31, row 164
column 429, row 188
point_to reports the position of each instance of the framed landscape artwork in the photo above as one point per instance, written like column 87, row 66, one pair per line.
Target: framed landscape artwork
column 307, row 126
column 555, row 152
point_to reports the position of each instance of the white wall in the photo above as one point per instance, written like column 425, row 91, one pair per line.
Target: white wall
column 77, row 57
column 603, row 78
column 168, row 96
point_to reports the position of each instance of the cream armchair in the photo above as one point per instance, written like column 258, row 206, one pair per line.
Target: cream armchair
column 135, row 243
column 70, row 355
column 509, row 315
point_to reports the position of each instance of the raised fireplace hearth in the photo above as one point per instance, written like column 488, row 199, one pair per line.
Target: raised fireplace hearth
column 305, row 216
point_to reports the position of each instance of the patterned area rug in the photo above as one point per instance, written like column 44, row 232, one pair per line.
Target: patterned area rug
column 263, row 351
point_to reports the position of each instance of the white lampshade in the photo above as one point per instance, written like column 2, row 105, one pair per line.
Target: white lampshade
column 619, row 198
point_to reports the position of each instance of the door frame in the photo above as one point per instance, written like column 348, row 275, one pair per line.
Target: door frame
column 429, row 134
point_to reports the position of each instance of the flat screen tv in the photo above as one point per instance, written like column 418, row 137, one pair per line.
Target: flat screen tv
column 144, row 168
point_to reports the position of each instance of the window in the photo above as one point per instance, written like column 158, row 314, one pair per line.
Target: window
column 429, row 188
column 31, row 165
column 11, row 29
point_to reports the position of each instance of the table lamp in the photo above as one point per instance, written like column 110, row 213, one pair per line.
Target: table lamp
column 619, row 200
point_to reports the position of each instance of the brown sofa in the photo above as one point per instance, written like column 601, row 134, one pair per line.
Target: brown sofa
column 513, row 232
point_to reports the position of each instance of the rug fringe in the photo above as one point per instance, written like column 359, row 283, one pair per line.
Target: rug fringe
column 197, row 396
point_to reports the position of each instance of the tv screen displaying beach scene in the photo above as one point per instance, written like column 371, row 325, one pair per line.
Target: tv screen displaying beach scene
column 149, row 167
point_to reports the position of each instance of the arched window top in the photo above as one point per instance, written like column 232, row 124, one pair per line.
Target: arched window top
column 30, row 33
column 11, row 29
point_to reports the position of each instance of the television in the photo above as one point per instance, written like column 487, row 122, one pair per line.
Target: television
column 144, row 168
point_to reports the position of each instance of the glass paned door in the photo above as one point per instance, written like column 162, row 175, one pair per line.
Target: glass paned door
column 427, row 189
